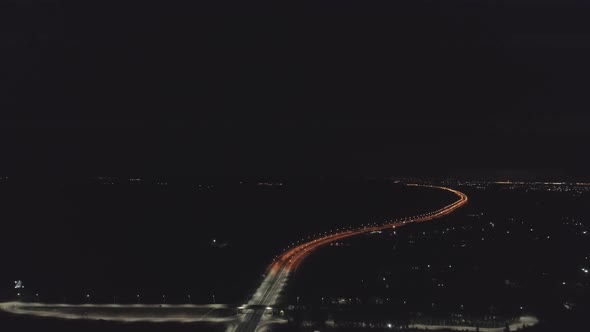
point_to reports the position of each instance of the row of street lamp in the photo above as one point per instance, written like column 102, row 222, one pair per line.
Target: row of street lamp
column 138, row 296
column 403, row 221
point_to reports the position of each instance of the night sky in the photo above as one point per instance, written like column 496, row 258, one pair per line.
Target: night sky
column 313, row 87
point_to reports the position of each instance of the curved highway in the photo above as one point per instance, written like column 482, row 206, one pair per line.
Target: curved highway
column 278, row 272
column 252, row 317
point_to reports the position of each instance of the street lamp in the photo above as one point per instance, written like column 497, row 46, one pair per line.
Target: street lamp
column 138, row 298
column 164, row 298
column 189, row 299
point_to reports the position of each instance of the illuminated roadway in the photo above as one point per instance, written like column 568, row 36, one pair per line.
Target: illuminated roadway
column 154, row 313
column 278, row 272
column 252, row 315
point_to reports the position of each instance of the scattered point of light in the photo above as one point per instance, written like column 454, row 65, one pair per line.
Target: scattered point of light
column 389, row 325
column 295, row 255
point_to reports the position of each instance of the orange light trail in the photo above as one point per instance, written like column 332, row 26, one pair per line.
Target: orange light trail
column 292, row 258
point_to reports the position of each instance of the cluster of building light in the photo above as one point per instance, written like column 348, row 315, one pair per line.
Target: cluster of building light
column 270, row 184
column 575, row 188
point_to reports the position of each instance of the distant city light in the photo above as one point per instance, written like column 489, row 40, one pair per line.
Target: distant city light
column 18, row 284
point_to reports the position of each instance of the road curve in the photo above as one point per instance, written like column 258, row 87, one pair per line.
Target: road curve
column 266, row 296
column 279, row 270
